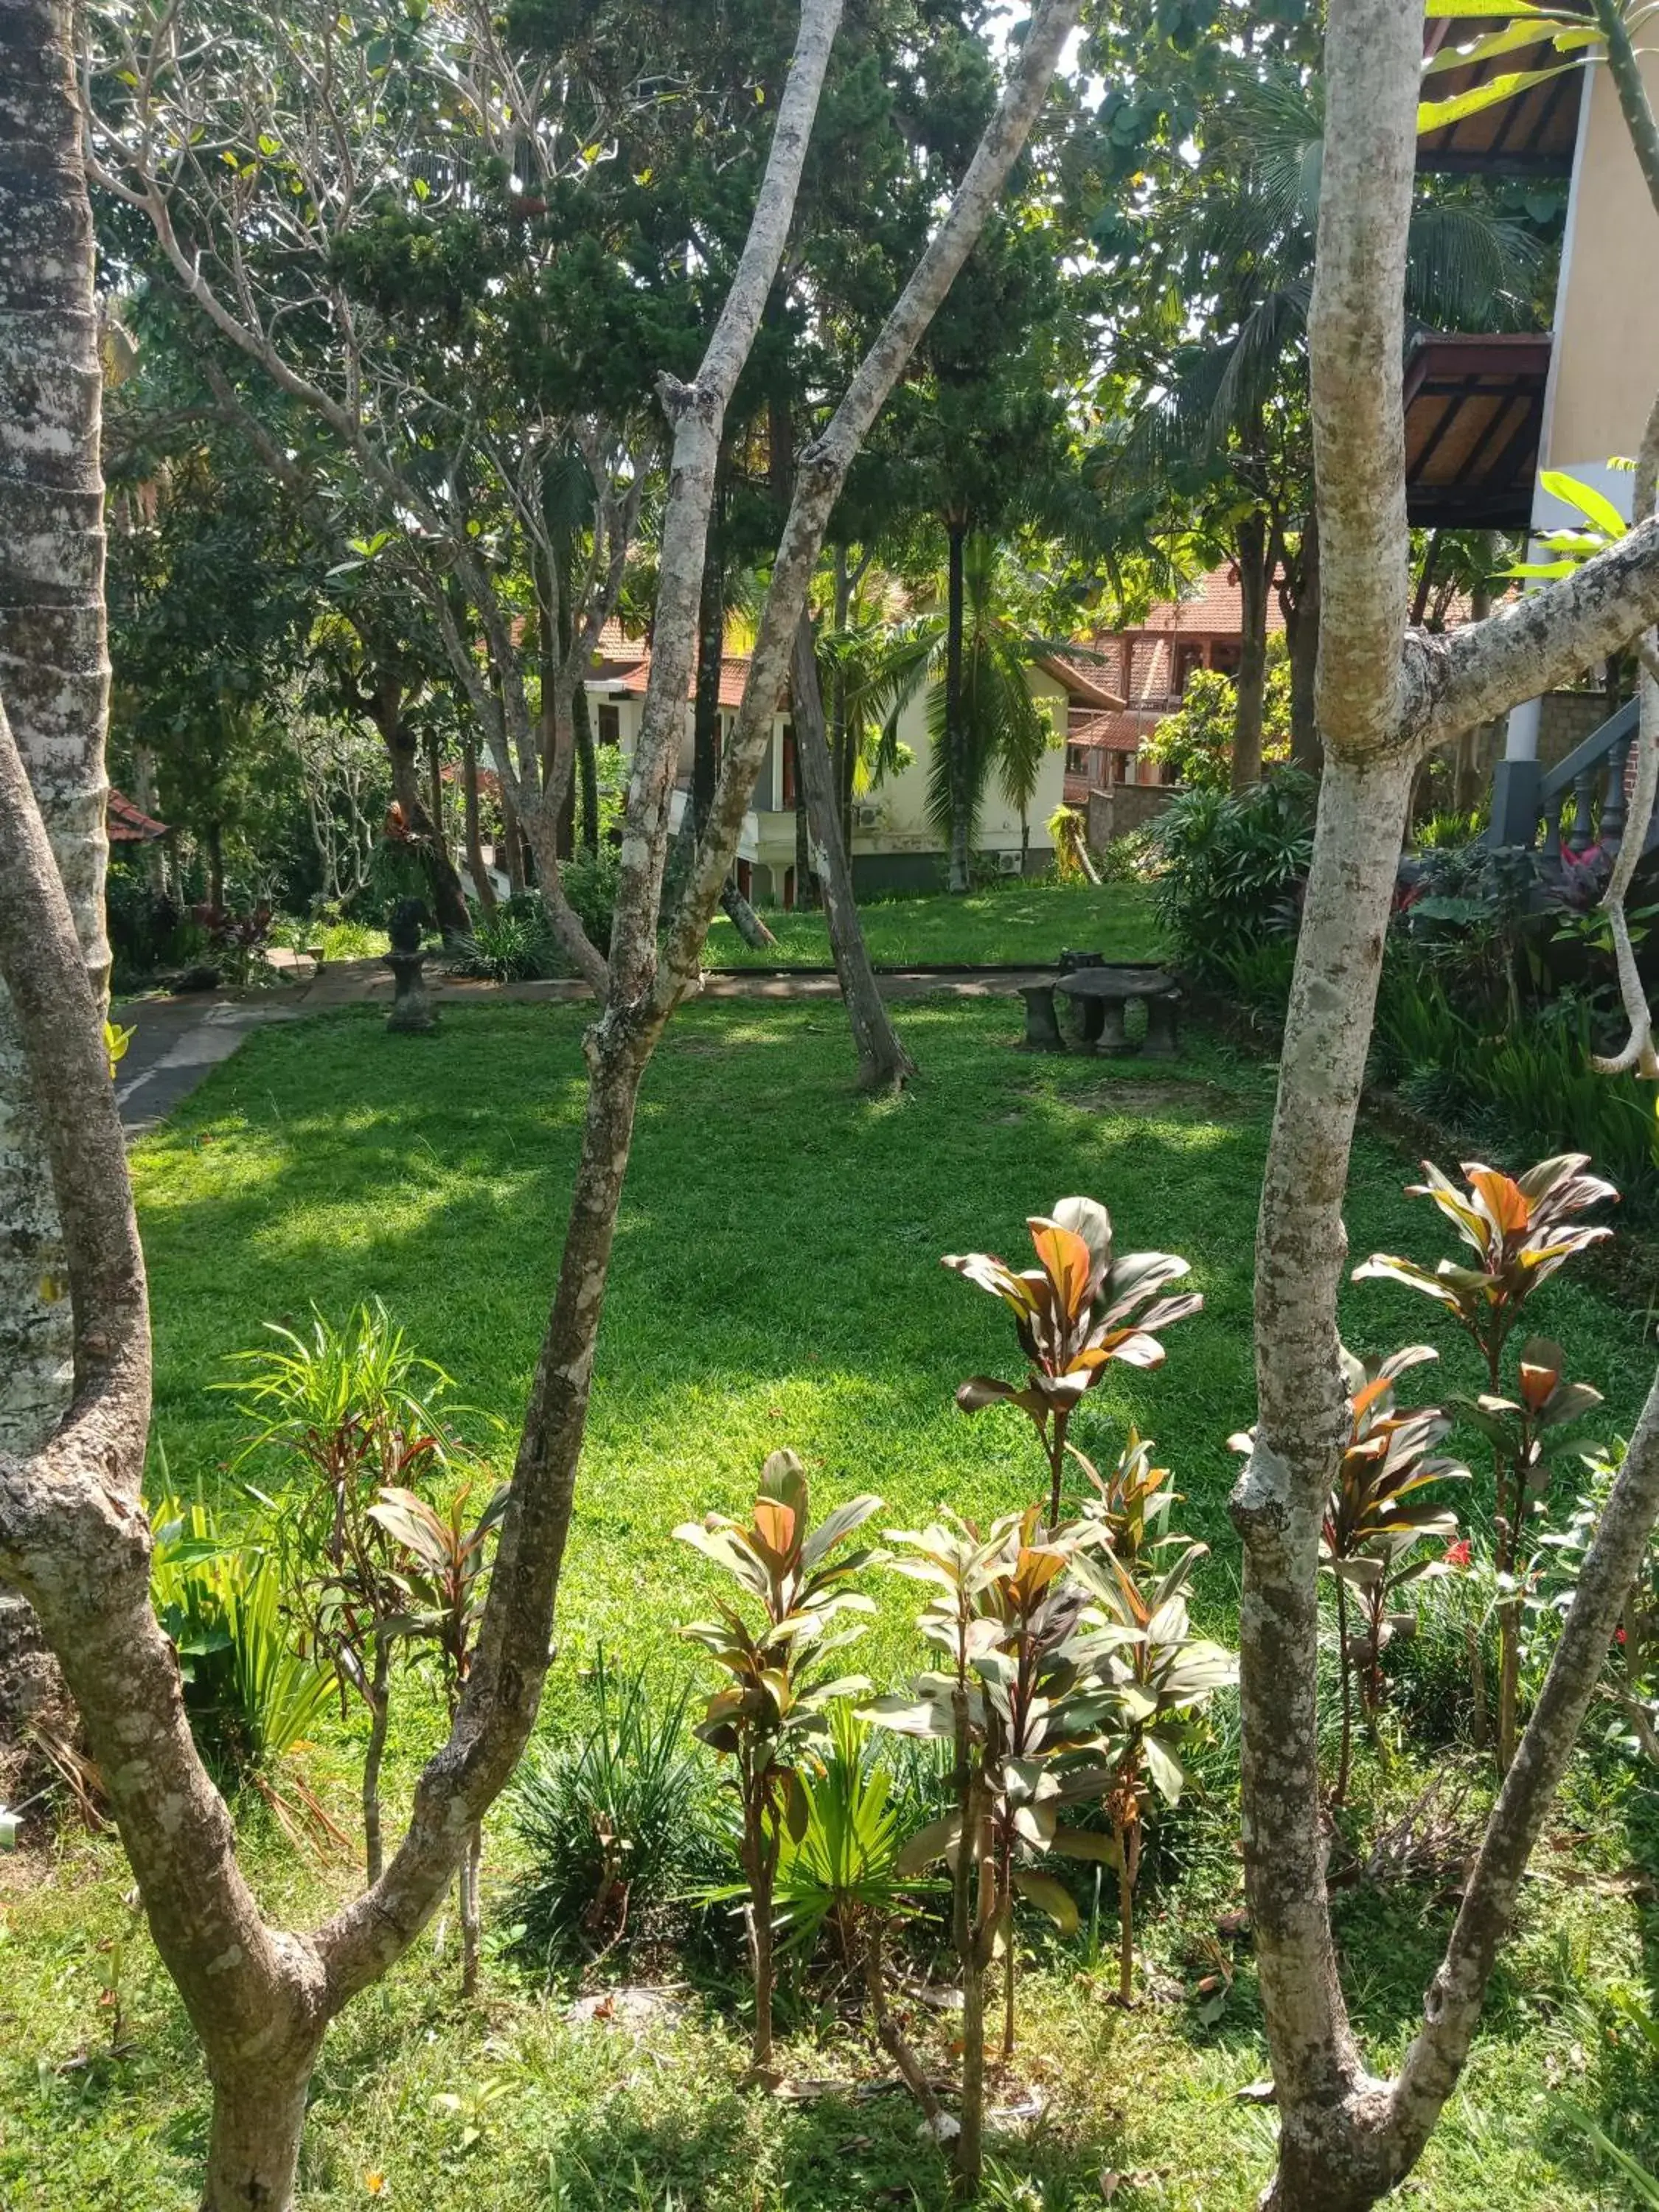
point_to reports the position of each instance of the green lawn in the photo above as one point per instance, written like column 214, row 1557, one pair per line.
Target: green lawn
column 1012, row 923
column 776, row 1280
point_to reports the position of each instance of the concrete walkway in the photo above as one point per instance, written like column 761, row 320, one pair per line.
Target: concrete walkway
column 177, row 1041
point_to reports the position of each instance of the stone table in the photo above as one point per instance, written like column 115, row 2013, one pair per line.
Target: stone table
column 1099, row 997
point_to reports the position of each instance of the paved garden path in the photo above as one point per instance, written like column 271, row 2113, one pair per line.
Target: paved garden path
column 176, row 1041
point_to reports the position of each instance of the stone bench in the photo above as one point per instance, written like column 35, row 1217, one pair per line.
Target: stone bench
column 1100, row 996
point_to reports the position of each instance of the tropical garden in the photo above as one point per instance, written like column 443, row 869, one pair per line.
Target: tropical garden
column 704, row 1584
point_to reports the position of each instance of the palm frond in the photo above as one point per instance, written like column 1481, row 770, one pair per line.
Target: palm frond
column 1466, row 266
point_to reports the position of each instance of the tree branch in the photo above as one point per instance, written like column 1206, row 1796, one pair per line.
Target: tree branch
column 822, row 470
column 698, row 414
column 1544, row 638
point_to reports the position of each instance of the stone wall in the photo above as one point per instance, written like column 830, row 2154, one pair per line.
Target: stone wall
column 1124, row 807
column 1566, row 719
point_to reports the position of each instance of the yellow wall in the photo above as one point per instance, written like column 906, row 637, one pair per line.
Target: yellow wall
column 1606, row 370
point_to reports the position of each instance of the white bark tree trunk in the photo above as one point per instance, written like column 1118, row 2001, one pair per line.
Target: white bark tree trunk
column 1345, row 2138
column 884, row 1064
column 54, row 672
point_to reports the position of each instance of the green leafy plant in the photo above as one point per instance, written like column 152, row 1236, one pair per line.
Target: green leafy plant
column 513, row 944
column 1520, row 1229
column 1196, row 741
column 772, row 1716
column 1081, row 1307
column 251, row 1699
column 440, row 1564
column 1161, row 1676
column 843, row 1872
column 1020, row 1703
column 1229, row 865
column 345, row 1414
column 614, row 1826
column 1376, row 1524
column 1631, row 1682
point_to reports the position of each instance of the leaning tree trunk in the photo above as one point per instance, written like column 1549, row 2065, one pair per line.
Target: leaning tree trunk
column 483, row 888
column 1255, row 564
column 959, row 878
column 884, row 1064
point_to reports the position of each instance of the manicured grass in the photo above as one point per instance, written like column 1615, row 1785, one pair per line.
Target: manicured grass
column 1010, row 923
column 776, row 1280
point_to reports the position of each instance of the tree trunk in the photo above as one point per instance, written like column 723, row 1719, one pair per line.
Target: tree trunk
column 434, row 781
column 840, row 748
column 143, row 796
column 745, row 920
column 552, row 625
column 760, row 2051
column 380, row 1712
column 711, row 653
column 467, row 1882
column 449, row 907
column 1254, row 550
column 1128, row 1872
column 884, row 1064
column 258, row 2121
column 513, row 839
column 959, row 876
column 1302, row 640
column 805, row 879
column 588, row 770
column 483, row 888
column 214, row 841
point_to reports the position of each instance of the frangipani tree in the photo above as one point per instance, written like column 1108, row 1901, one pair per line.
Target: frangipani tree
column 1387, row 697
column 73, row 1536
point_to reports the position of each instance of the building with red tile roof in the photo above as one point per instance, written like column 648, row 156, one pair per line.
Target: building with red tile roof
column 127, row 825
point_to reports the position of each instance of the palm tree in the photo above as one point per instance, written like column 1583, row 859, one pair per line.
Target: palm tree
column 974, row 654
column 1228, row 401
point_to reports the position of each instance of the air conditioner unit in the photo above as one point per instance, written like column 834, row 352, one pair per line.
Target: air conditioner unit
column 867, row 817
column 1011, row 864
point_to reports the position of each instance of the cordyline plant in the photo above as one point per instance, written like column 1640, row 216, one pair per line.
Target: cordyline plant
column 442, row 1568
column 1376, row 1522
column 1160, row 1677
column 1131, row 1505
column 347, row 1414
column 1521, row 1229
column 1079, row 1308
column 1021, row 1701
column 774, row 1713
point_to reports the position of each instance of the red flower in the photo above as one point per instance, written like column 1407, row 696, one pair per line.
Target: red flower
column 1457, row 1554
column 1618, row 1634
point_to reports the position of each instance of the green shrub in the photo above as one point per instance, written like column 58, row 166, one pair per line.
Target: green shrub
column 1449, row 828
column 514, row 945
column 1230, row 866
column 616, row 1827
column 590, row 885
column 1124, row 861
column 250, row 1698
